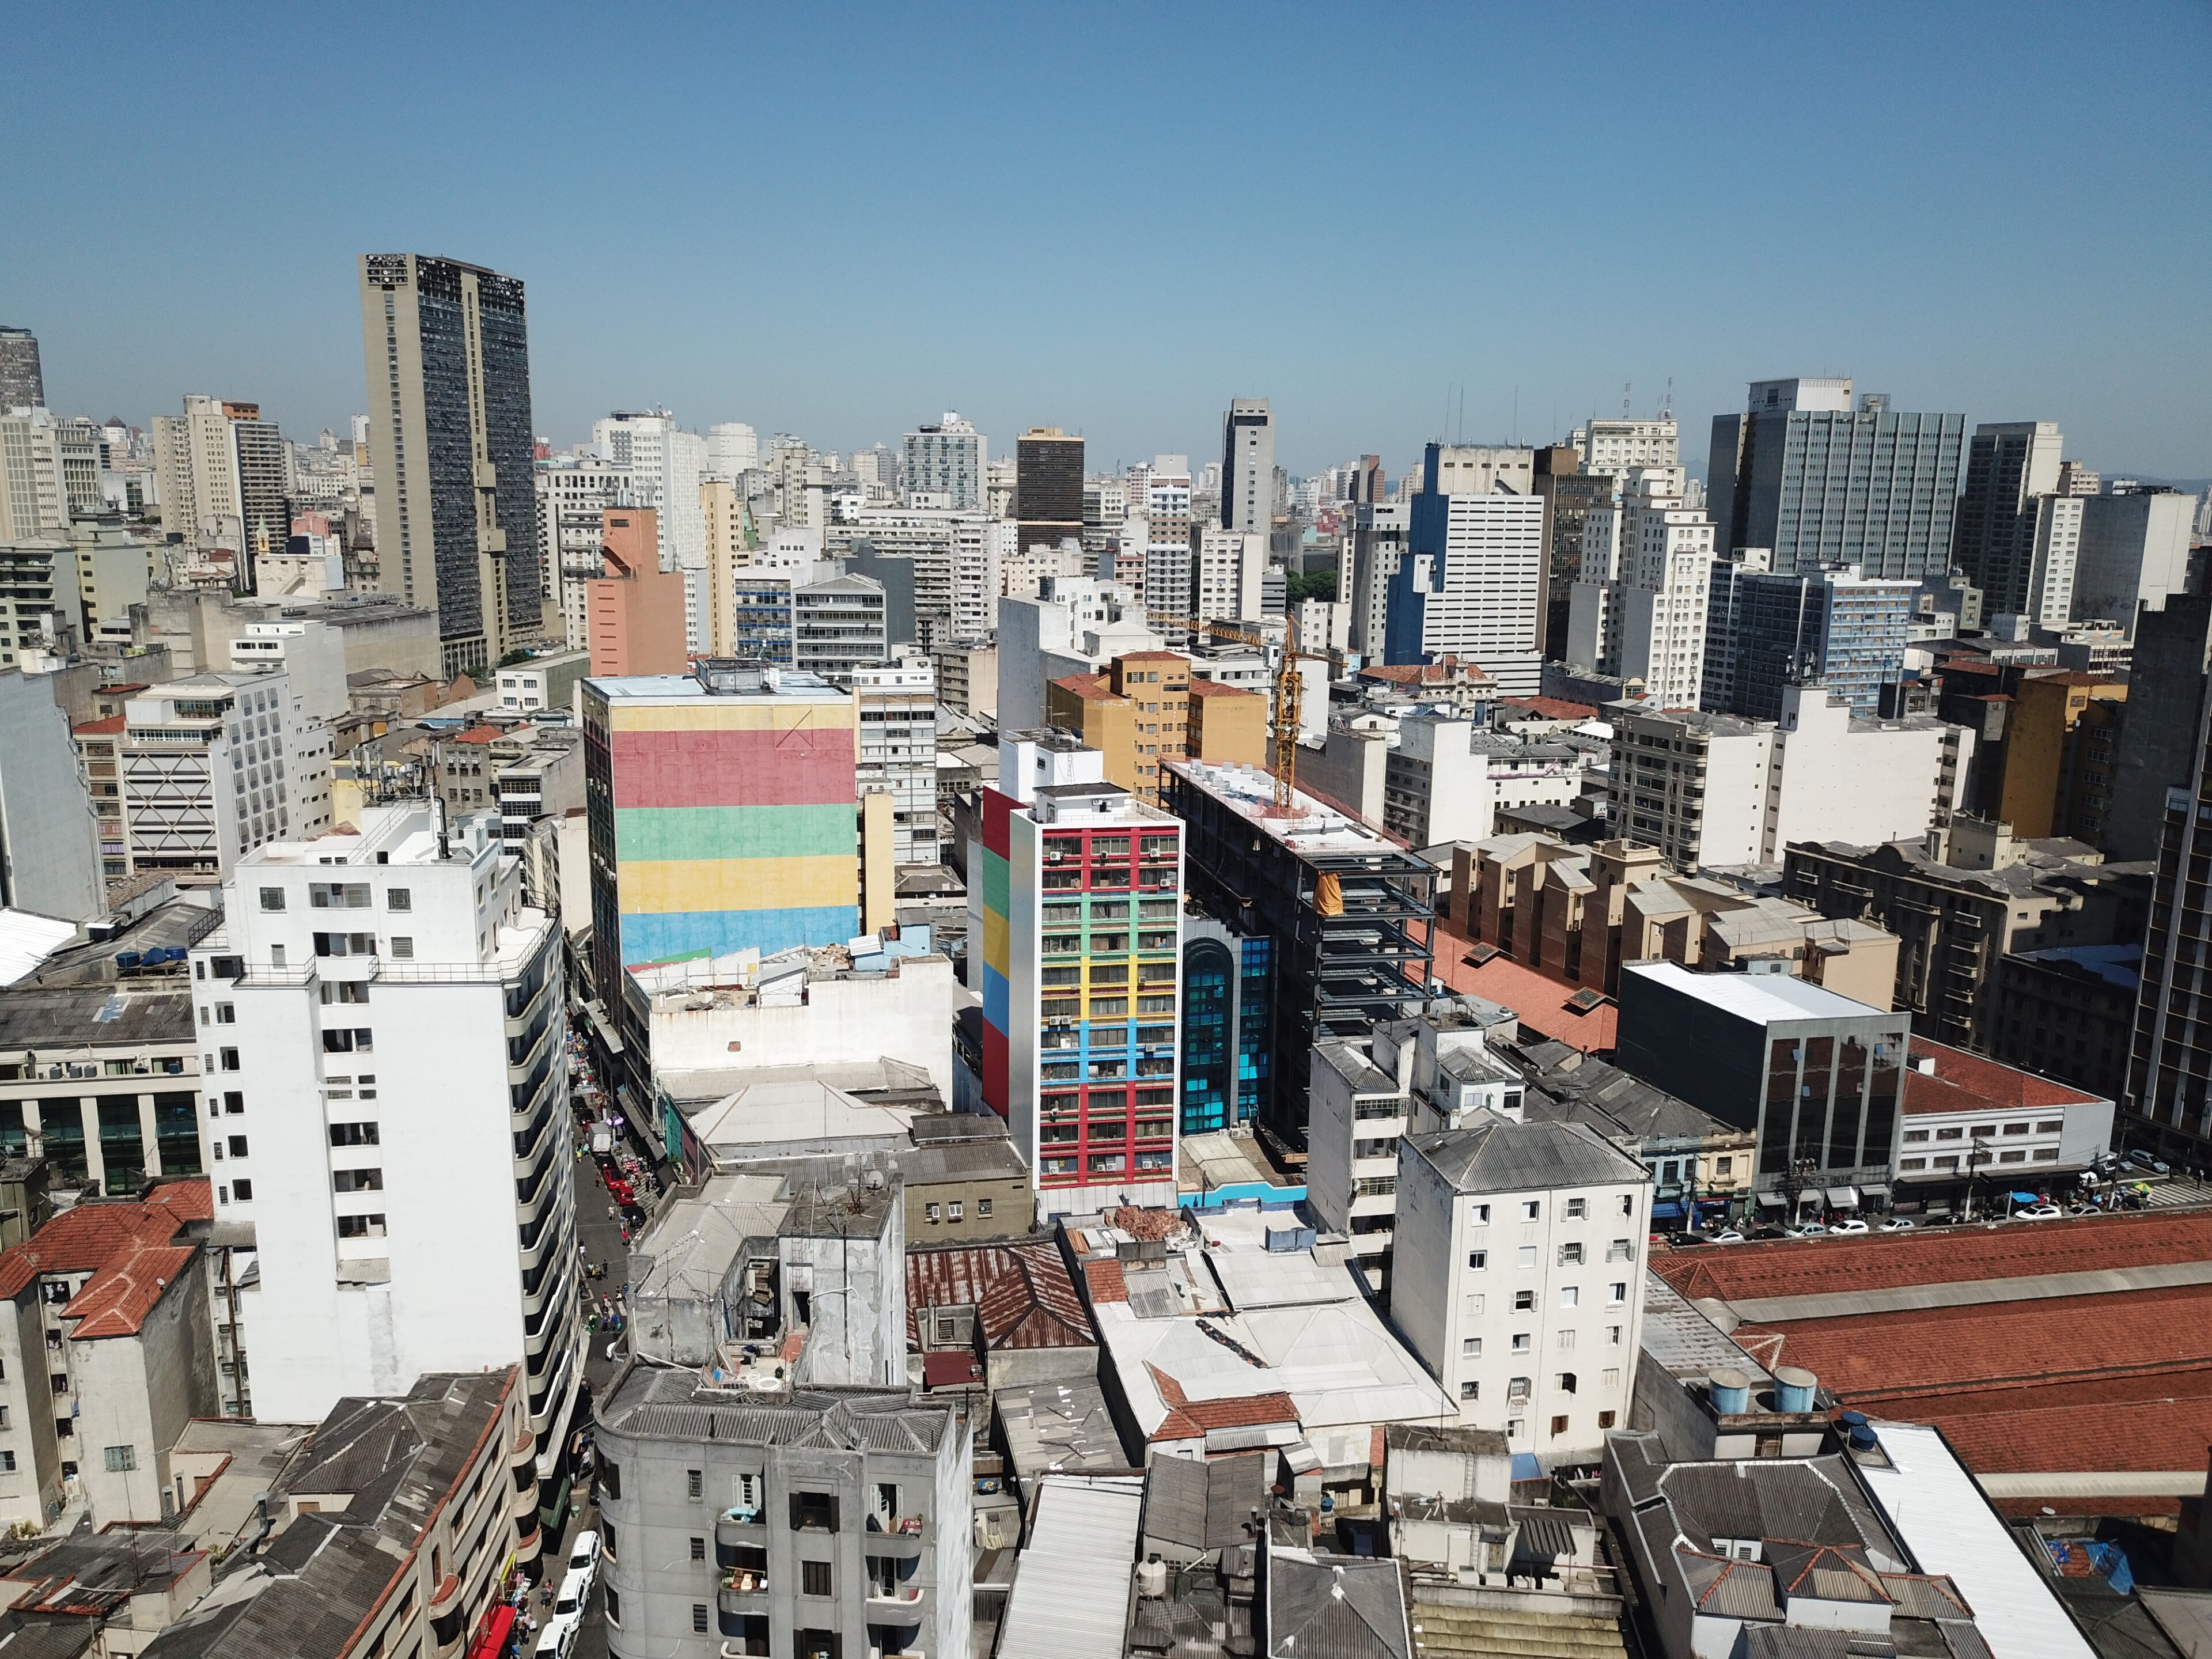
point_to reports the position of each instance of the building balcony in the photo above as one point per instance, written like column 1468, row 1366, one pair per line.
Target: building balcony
column 736, row 1528
column 883, row 1598
column 902, row 1538
column 743, row 1591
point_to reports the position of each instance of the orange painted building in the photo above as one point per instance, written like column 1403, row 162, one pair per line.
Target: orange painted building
column 635, row 612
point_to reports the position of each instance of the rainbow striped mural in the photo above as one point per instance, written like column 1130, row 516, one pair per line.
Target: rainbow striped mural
column 720, row 822
column 998, row 905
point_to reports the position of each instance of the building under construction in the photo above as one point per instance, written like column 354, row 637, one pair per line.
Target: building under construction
column 1348, row 913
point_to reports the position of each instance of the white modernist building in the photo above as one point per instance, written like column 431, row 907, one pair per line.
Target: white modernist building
column 1471, row 582
column 946, row 460
column 898, row 706
column 1229, row 564
column 386, row 1085
column 1718, row 791
column 1518, row 1277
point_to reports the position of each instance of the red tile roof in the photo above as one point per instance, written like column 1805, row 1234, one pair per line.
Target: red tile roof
column 1552, row 708
column 126, row 1247
column 477, row 734
column 107, row 727
column 1188, row 1419
column 1022, row 1294
column 1539, row 1000
column 1966, row 1083
column 1216, row 688
column 1424, row 673
column 2145, row 1434
column 1104, row 1281
column 1091, row 688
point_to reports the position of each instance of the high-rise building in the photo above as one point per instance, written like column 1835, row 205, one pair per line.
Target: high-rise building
column 897, row 705
column 1229, row 564
column 386, row 1080
column 217, row 765
column 2133, row 552
column 1639, row 610
column 1248, row 466
column 1623, row 445
column 1820, row 482
column 666, row 464
column 840, row 626
column 635, row 609
column 1076, row 906
column 946, row 460
column 1470, row 582
column 1323, row 890
column 50, row 847
column 223, row 480
column 34, row 498
column 22, row 382
column 1378, row 542
column 1833, row 628
column 733, row 450
column 574, row 493
column 1049, row 486
column 447, row 348
column 2008, row 465
column 719, row 813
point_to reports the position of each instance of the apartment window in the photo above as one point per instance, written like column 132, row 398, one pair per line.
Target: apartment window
column 1611, row 1378
column 1479, row 1216
column 6, row 1462
column 1566, row 1382
column 610, row 1482
column 982, row 1207
column 954, row 1212
column 59, row 1380
column 1721, row 1166
column 243, row 1191
column 1470, row 1390
column 399, row 898
column 237, row 1145
column 1612, row 1336
column 698, row 1549
column 1532, row 1210
column 1628, row 1203
column 693, row 1483
column 1569, row 1295
column 226, row 1013
column 358, row 1226
column 1528, row 1258
column 929, row 1212
column 1524, row 1300
column 121, row 1459
column 1605, row 1419
column 1558, row 1427
column 1516, row 1427
column 1523, row 1342
column 1470, row 1347
column 354, row 1135
column 403, row 947
column 1477, row 1260
column 2049, row 1128
column 613, row 1607
column 1570, row 1255
column 1617, row 1292
column 1577, row 1207
column 815, row 1578
column 232, row 1101
column 228, row 1058
column 1915, row 1137
column 814, row 1511
column 357, row 1181
column 272, row 898
column 1621, row 1250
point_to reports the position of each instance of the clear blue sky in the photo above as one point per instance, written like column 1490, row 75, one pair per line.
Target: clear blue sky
column 838, row 221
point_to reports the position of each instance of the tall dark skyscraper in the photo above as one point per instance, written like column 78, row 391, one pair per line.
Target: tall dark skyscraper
column 1049, row 486
column 1248, row 466
column 22, row 386
column 1820, row 482
column 2008, row 465
column 446, row 347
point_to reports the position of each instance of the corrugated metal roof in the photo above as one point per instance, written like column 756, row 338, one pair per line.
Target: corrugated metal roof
column 1064, row 1605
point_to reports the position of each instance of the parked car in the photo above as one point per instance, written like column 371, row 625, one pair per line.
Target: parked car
column 575, row 1590
column 1898, row 1225
column 2151, row 1161
column 1683, row 1241
column 584, row 1553
column 1811, row 1229
column 1728, row 1235
column 2038, row 1213
column 558, row 1638
column 1853, row 1226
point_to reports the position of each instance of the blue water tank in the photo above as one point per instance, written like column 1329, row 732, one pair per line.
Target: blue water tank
column 1794, row 1388
column 1862, row 1438
column 1729, row 1390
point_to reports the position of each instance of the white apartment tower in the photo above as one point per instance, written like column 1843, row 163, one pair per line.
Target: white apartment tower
column 1229, row 564
column 1639, row 610
column 216, row 765
column 1620, row 447
column 1248, row 466
column 387, row 1087
column 944, row 463
column 1518, row 1277
column 898, row 706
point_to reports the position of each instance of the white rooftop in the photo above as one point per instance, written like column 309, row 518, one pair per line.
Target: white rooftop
column 783, row 684
column 1762, row 997
column 1312, row 826
column 800, row 1108
column 1933, row 1505
column 1071, row 1597
column 28, row 939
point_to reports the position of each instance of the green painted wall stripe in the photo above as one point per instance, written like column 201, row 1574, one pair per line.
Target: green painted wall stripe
column 734, row 832
column 998, row 885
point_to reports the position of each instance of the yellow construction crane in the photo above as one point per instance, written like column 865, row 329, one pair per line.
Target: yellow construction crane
column 1290, row 688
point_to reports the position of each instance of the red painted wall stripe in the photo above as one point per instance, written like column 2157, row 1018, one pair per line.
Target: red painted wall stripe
column 805, row 768
column 997, row 808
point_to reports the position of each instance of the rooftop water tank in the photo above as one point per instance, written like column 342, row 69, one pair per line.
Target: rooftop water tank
column 1729, row 1389
column 1152, row 1578
column 1794, row 1388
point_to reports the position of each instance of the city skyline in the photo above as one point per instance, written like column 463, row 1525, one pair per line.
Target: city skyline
column 1377, row 295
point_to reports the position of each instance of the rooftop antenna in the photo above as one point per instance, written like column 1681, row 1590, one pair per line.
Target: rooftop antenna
column 1623, row 399
column 1666, row 410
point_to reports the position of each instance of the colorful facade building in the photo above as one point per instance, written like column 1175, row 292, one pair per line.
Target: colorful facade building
column 1076, row 905
column 719, row 815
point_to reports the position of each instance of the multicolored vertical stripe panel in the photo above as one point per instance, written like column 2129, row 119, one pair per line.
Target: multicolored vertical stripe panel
column 734, row 825
column 998, row 905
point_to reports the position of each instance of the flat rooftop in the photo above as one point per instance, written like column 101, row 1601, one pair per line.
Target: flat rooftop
column 1763, row 998
column 1312, row 826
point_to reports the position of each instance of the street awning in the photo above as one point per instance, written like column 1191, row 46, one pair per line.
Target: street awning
column 1771, row 1201
column 1842, row 1198
column 1666, row 1212
column 1874, row 1192
column 492, row 1638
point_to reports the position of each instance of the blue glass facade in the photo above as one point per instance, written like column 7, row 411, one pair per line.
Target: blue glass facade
column 1228, row 1011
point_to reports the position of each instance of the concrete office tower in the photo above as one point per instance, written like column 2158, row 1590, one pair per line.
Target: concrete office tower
column 22, row 382
column 2134, row 553
column 223, row 479
column 265, row 506
column 2166, row 768
column 33, row 498
column 1639, row 610
column 1470, row 582
column 1229, row 564
column 1048, row 486
column 721, row 815
column 2008, row 465
column 1166, row 519
column 1820, row 483
column 216, row 765
column 1831, row 628
column 1076, row 905
column 49, row 841
column 729, row 550
column 634, row 610
column 733, row 450
column 898, row 709
column 1518, row 1276
column 1248, row 466
column 387, row 1083
column 665, row 465
column 2076, row 479
column 946, row 460
column 1378, row 542
column 1624, row 446
column 447, row 353
column 310, row 655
